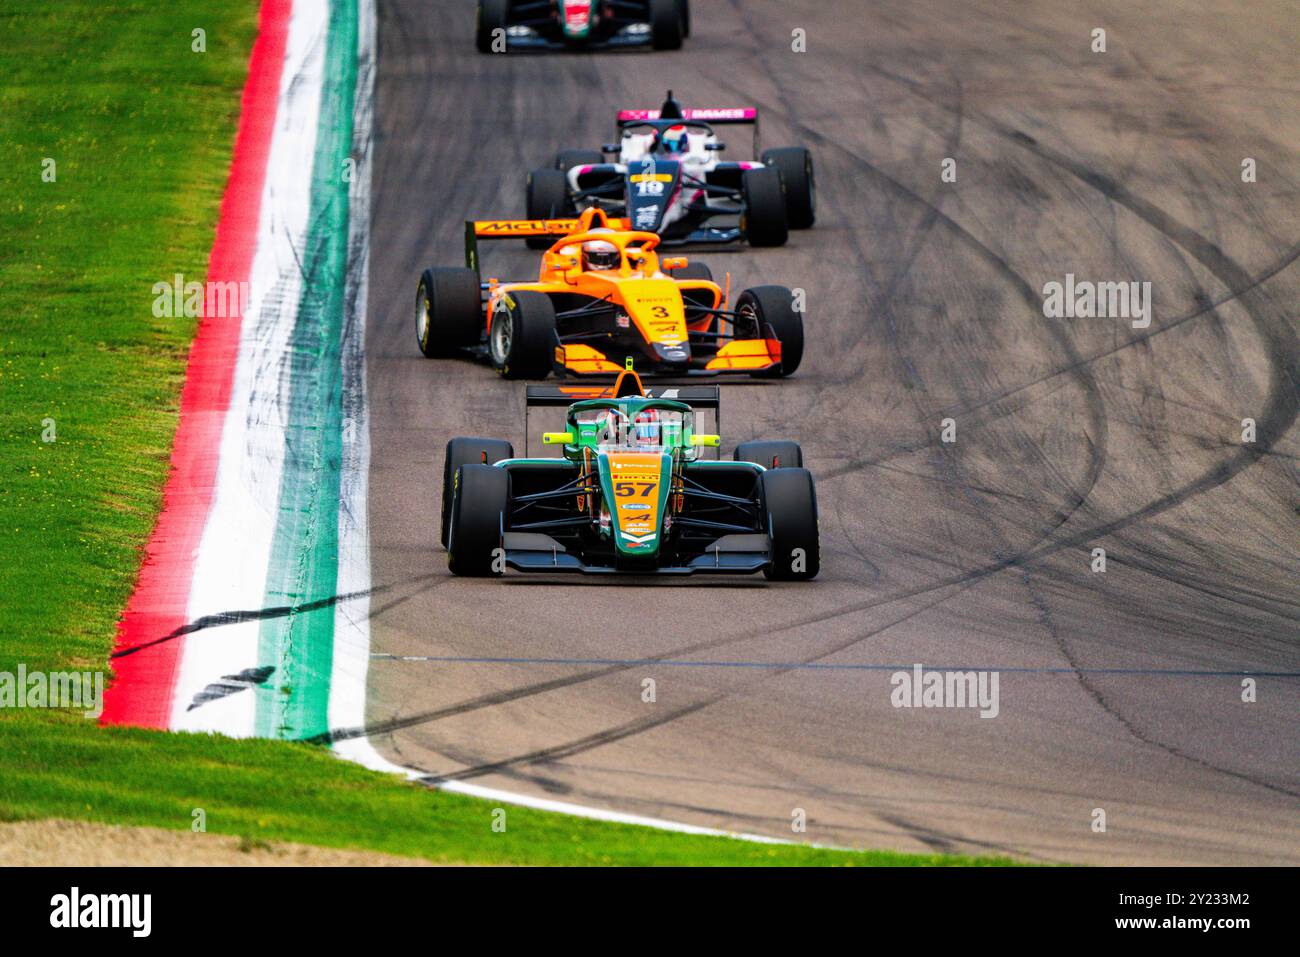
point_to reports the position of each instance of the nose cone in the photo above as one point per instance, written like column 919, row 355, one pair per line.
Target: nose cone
column 677, row 356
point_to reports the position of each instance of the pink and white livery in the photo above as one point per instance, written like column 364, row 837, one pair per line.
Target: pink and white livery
column 668, row 177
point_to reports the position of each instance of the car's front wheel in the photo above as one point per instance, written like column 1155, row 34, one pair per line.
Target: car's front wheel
column 790, row 507
column 480, row 497
column 768, row 312
column 467, row 451
column 521, row 337
column 491, row 18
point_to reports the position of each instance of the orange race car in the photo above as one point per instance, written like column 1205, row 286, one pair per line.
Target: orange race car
column 603, row 297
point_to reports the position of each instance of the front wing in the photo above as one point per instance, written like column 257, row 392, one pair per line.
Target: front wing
column 729, row 555
column 737, row 356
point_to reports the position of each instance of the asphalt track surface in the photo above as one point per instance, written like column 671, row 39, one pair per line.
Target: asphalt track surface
column 1120, row 690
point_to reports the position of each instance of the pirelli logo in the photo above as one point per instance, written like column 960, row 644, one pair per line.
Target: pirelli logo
column 651, row 177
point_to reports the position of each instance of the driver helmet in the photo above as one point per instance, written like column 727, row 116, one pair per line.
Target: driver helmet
column 646, row 428
column 599, row 254
column 674, row 140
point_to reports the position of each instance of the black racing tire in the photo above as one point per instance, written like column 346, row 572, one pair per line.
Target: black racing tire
column 546, row 196
column 480, row 497
column 796, row 167
column 666, row 27
column 565, row 160
column 790, row 508
column 684, row 9
column 771, row 454
column 693, row 270
column 769, row 310
column 467, row 451
column 764, row 220
column 521, row 335
column 448, row 311
column 491, row 16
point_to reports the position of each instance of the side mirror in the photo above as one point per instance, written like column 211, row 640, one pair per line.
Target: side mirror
column 611, row 148
column 672, row 262
column 558, row 438
column 712, row 441
column 715, row 147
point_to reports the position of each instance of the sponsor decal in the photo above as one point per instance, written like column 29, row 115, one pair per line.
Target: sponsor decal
column 706, row 114
column 520, row 227
column 577, row 15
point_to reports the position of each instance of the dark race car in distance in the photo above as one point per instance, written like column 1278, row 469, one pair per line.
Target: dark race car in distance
column 504, row 25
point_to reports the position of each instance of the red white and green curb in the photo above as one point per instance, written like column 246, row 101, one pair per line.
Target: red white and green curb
column 231, row 626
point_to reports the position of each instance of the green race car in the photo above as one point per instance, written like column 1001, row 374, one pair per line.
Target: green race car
column 632, row 493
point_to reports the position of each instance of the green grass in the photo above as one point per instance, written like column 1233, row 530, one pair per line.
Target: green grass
column 267, row 790
column 140, row 129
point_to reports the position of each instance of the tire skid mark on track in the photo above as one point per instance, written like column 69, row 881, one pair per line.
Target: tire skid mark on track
column 839, row 756
column 1279, row 415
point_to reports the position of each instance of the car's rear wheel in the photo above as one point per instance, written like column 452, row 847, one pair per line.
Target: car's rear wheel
column 480, row 497
column 778, row 454
column 467, row 451
column 448, row 311
column 684, row 7
column 521, row 338
column 764, row 220
column 768, row 311
column 565, row 160
column 666, row 27
column 546, row 197
column 491, row 17
column 796, row 167
column 790, row 507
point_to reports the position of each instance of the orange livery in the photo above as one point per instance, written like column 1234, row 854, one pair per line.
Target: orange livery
column 603, row 296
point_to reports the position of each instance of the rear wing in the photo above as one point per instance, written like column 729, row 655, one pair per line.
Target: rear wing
column 563, row 396
column 714, row 116
column 719, row 115
column 523, row 229
column 552, row 396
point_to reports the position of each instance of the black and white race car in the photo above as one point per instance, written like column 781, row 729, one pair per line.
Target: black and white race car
column 575, row 24
column 668, row 177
